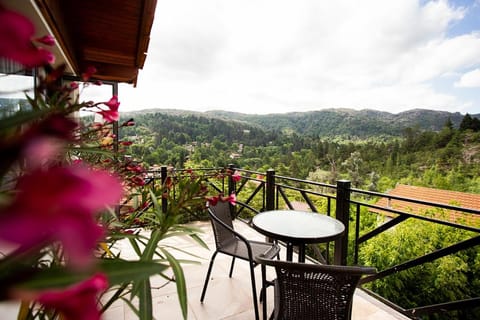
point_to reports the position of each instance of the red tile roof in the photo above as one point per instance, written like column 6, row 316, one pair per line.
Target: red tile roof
column 447, row 197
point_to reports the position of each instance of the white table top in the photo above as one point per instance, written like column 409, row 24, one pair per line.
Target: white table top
column 298, row 226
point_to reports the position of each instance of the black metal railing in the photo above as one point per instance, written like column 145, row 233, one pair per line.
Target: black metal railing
column 260, row 191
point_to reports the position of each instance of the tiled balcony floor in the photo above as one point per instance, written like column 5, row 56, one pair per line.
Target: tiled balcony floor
column 226, row 298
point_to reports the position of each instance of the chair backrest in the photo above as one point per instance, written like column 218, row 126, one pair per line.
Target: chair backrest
column 314, row 291
column 221, row 223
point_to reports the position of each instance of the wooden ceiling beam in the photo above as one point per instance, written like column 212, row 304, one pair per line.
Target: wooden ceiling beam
column 108, row 56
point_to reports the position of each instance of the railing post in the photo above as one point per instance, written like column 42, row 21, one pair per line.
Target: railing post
column 163, row 178
column 231, row 183
column 231, row 187
column 342, row 213
column 270, row 190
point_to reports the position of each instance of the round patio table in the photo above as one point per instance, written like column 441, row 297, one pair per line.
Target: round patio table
column 297, row 228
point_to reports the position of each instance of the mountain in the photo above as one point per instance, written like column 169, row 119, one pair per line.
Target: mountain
column 333, row 122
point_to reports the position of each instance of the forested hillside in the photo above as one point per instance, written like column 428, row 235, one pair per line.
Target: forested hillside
column 348, row 122
column 331, row 122
column 379, row 150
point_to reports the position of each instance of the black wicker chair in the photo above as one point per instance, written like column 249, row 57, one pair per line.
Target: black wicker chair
column 313, row 291
column 230, row 242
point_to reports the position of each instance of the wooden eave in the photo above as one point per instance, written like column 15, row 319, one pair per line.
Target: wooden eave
column 110, row 35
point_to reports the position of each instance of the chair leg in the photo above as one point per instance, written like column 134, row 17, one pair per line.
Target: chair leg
column 254, row 290
column 208, row 276
column 263, row 291
column 231, row 267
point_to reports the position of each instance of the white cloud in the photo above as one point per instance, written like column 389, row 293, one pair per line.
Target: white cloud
column 469, row 80
column 264, row 56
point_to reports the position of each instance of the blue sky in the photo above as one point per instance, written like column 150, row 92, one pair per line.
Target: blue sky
column 471, row 20
column 276, row 56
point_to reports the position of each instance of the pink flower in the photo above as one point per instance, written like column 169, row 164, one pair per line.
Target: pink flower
column 213, row 200
column 136, row 168
column 137, row 181
column 77, row 302
column 113, row 103
column 15, row 40
column 111, row 114
column 232, row 198
column 48, row 40
column 41, row 150
column 236, row 177
column 88, row 73
column 59, row 204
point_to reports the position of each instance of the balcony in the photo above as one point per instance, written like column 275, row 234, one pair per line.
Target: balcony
column 226, row 298
column 266, row 191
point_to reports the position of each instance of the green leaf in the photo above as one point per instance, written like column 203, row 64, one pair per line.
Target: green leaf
column 157, row 208
column 145, row 300
column 119, row 292
column 179, row 281
column 132, row 306
column 135, row 246
column 122, row 271
column 199, row 241
column 118, row 272
column 151, row 246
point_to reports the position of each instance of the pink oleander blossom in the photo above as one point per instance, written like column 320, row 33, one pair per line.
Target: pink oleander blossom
column 137, row 181
column 77, row 302
column 41, row 150
column 48, row 40
column 59, row 204
column 232, row 199
column 111, row 114
column 113, row 103
column 29, row 144
column 16, row 40
column 88, row 73
column 236, row 177
column 136, row 168
column 213, row 200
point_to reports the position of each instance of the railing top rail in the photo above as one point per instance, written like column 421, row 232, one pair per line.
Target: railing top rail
column 307, row 191
column 255, row 179
column 249, row 171
column 307, row 181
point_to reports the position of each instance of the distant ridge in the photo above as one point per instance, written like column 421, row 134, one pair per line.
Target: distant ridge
column 331, row 122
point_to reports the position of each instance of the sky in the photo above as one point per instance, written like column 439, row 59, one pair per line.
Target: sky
column 278, row 56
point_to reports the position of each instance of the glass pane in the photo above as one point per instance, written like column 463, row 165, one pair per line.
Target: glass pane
column 13, row 90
